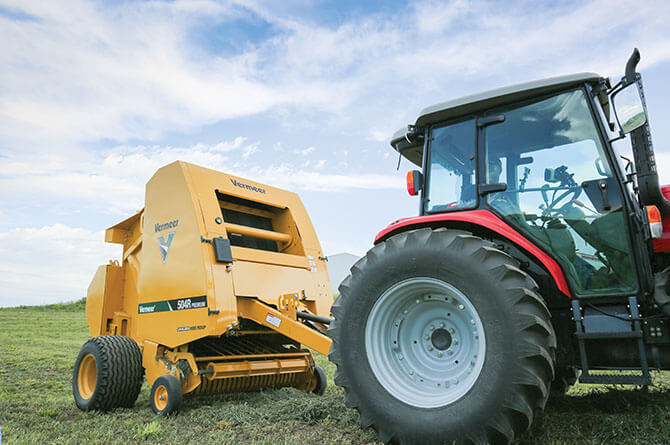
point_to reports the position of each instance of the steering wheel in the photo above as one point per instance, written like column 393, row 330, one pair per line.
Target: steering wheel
column 556, row 204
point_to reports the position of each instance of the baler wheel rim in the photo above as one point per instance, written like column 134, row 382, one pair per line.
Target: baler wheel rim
column 87, row 377
column 161, row 397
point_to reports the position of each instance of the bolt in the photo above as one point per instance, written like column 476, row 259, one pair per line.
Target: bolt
column 472, row 322
column 427, row 337
column 452, row 330
column 439, row 354
column 455, row 341
column 235, row 323
column 469, row 370
column 400, row 357
column 442, row 324
column 430, row 348
column 455, row 381
column 411, row 372
column 461, row 307
column 432, row 328
column 418, row 301
column 450, row 352
column 405, row 312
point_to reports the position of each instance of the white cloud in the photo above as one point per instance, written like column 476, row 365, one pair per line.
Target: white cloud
column 305, row 152
column 50, row 263
column 86, row 70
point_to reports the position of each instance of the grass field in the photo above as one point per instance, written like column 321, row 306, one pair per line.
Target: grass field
column 38, row 346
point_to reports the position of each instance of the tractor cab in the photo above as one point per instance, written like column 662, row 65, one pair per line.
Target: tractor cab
column 539, row 156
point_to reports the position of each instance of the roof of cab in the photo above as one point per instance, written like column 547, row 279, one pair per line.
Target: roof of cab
column 488, row 99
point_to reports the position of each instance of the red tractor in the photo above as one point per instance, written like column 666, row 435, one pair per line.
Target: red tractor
column 536, row 258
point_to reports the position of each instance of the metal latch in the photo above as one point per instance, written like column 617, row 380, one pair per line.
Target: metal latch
column 222, row 251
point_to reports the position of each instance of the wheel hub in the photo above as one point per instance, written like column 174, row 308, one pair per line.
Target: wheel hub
column 425, row 342
column 441, row 339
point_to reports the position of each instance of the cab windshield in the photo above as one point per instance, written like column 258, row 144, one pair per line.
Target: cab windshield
column 560, row 190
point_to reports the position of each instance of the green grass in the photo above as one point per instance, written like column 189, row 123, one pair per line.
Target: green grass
column 38, row 346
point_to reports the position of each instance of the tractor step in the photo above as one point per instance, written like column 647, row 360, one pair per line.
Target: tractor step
column 598, row 324
column 616, row 379
column 608, row 335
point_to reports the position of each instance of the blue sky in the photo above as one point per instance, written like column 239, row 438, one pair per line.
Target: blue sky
column 95, row 96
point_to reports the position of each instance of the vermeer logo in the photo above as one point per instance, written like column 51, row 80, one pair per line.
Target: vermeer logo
column 248, row 187
column 164, row 244
column 144, row 309
column 167, row 225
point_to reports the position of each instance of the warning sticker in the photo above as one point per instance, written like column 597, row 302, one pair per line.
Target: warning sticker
column 273, row 320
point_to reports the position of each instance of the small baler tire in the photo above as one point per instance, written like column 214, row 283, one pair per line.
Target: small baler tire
column 166, row 395
column 321, row 381
column 513, row 384
column 114, row 364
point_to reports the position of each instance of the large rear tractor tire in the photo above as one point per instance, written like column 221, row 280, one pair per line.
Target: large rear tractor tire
column 107, row 373
column 439, row 337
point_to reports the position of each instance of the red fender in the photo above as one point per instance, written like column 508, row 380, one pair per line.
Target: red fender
column 487, row 220
column 663, row 244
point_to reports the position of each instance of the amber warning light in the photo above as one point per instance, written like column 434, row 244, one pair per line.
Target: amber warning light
column 414, row 181
column 655, row 221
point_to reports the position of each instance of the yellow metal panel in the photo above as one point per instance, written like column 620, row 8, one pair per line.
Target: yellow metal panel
column 258, row 233
column 265, row 315
column 263, row 256
column 94, row 301
column 255, row 368
column 267, row 282
column 104, row 297
column 172, row 223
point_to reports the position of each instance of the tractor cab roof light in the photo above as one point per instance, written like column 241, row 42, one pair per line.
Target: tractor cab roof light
column 655, row 221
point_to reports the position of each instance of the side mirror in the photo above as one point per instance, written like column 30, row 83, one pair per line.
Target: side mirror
column 414, row 182
column 628, row 108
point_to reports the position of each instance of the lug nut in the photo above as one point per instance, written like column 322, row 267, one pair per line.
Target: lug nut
column 439, row 354
column 461, row 307
column 442, row 324
column 430, row 348
column 427, row 337
column 432, row 328
column 455, row 341
column 452, row 330
column 450, row 352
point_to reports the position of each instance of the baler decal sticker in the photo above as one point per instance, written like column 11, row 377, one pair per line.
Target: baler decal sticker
column 178, row 304
column 273, row 320
column 164, row 244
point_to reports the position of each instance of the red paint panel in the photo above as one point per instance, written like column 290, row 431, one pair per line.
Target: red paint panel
column 489, row 220
column 663, row 243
